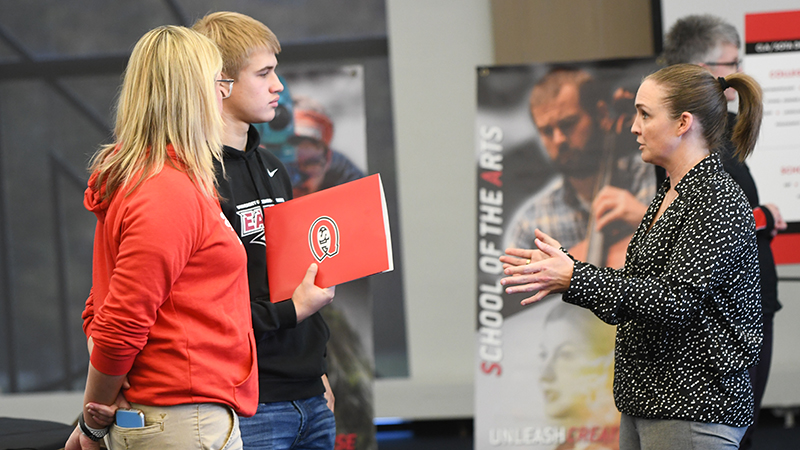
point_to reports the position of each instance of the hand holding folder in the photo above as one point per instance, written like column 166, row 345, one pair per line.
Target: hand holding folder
column 309, row 298
column 343, row 229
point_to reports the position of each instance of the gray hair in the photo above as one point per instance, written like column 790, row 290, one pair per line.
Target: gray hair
column 693, row 39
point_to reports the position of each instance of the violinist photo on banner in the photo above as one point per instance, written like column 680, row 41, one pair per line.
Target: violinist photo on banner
column 600, row 187
column 571, row 168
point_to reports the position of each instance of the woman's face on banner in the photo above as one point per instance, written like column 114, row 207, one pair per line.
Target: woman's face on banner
column 572, row 371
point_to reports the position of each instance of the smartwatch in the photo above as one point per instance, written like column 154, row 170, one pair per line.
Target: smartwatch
column 94, row 434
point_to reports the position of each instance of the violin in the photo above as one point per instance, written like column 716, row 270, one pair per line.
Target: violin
column 607, row 247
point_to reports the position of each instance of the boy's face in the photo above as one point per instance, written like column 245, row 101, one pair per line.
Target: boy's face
column 255, row 93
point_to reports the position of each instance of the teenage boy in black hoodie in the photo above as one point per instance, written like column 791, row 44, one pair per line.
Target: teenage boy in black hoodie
column 295, row 400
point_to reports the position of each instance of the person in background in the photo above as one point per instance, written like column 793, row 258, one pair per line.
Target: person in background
column 714, row 44
column 319, row 166
column 687, row 302
column 295, row 402
column 168, row 315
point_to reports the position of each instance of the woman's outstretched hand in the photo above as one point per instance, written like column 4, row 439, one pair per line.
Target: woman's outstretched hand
column 544, row 271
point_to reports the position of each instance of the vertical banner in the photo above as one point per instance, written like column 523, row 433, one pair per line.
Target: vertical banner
column 550, row 140
column 772, row 57
column 321, row 138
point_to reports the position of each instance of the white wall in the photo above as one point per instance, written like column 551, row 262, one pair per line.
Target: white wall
column 434, row 49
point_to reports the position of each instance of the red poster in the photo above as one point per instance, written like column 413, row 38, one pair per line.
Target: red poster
column 773, row 26
column 344, row 229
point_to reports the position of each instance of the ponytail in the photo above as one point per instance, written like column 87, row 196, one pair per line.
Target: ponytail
column 748, row 124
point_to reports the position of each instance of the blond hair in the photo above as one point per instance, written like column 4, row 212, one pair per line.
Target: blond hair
column 168, row 97
column 237, row 36
column 693, row 89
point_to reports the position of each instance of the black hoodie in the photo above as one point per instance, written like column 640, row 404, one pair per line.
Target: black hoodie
column 291, row 356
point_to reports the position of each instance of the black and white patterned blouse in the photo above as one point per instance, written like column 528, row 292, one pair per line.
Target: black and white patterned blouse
column 687, row 304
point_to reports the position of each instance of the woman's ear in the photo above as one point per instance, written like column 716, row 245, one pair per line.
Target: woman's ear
column 685, row 122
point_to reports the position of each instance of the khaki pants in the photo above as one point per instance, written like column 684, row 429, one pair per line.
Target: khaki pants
column 201, row 426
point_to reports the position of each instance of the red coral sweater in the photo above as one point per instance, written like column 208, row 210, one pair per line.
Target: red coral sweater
column 169, row 304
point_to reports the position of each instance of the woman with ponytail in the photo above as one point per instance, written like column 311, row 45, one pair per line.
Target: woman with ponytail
column 687, row 302
column 713, row 43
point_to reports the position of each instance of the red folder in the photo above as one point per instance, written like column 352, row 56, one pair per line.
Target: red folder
column 344, row 229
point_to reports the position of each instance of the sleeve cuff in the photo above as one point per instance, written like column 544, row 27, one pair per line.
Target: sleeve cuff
column 286, row 313
column 577, row 266
column 110, row 366
column 565, row 251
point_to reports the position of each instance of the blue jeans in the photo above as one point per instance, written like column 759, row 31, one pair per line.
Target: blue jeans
column 648, row 434
column 300, row 424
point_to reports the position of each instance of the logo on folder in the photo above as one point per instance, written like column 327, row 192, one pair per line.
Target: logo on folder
column 323, row 238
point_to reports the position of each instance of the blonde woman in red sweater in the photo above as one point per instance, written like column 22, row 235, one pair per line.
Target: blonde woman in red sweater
column 168, row 318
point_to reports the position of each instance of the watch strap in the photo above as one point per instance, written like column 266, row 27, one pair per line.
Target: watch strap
column 94, row 434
